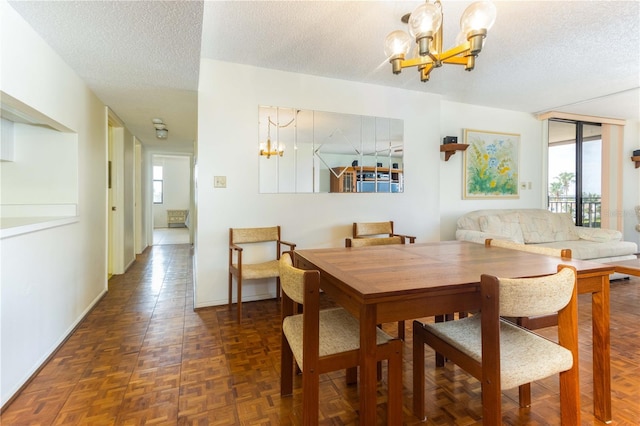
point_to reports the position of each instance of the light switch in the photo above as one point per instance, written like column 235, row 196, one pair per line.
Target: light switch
column 219, row 181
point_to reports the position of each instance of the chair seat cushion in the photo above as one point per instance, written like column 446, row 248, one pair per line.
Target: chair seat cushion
column 339, row 332
column 254, row 271
column 524, row 356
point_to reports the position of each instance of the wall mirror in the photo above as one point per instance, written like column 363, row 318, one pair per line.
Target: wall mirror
column 306, row 151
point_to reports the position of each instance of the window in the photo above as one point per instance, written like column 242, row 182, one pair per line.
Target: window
column 157, row 185
column 575, row 170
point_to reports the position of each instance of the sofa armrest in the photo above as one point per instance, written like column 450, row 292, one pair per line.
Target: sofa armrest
column 478, row 236
column 598, row 234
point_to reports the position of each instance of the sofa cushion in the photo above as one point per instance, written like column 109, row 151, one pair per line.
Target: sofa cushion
column 468, row 222
column 599, row 235
column 536, row 227
column 564, row 228
column 506, row 225
column 542, row 226
column 587, row 250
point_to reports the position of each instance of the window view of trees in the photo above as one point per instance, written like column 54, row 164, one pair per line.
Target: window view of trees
column 562, row 199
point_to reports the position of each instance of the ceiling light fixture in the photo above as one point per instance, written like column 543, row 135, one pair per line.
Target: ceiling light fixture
column 161, row 129
column 425, row 26
column 266, row 149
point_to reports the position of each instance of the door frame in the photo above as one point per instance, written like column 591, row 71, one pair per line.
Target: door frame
column 115, row 194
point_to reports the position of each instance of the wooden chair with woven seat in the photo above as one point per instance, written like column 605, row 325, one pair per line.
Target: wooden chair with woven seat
column 503, row 355
column 531, row 248
column 260, row 239
column 532, row 322
column 378, row 229
column 321, row 341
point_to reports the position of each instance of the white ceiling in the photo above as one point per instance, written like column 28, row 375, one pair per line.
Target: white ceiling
column 142, row 57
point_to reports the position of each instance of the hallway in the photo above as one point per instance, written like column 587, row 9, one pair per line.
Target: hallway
column 144, row 356
column 170, row 236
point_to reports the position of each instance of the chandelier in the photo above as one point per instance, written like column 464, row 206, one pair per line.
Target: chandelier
column 276, row 149
column 425, row 27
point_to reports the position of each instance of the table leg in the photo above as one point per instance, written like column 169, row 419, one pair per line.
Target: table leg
column 490, row 329
column 368, row 370
column 601, row 353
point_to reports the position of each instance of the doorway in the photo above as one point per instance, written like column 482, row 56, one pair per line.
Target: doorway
column 171, row 199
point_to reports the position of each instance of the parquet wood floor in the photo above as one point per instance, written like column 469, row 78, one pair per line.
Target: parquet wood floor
column 144, row 356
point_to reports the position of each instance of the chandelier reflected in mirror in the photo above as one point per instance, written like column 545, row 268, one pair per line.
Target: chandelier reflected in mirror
column 425, row 28
column 275, row 148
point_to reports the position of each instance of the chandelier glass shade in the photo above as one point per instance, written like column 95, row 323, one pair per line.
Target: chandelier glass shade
column 425, row 29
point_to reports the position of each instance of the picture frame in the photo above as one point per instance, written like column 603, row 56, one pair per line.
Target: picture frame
column 491, row 165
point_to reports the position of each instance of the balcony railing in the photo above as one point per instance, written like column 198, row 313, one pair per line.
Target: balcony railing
column 591, row 209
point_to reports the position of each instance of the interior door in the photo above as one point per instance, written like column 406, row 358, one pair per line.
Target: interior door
column 110, row 203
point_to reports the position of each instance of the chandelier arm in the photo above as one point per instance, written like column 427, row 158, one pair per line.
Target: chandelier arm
column 455, row 51
column 456, row 60
column 425, row 71
column 414, row 62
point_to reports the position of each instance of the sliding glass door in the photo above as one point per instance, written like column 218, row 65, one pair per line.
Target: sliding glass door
column 575, row 170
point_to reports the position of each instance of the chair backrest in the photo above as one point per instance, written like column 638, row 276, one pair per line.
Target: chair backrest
column 253, row 235
column 362, row 242
column 548, row 251
column 545, row 295
column 292, row 279
column 369, row 229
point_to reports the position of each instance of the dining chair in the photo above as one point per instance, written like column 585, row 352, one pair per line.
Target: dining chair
column 378, row 229
column 261, row 240
column 520, row 356
column 531, row 248
column 539, row 321
column 321, row 341
column 532, row 322
column 363, row 242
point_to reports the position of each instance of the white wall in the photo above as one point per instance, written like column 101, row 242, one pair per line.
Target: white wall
column 630, row 182
column 454, row 119
column 228, row 100
column 44, row 169
column 229, row 97
column 50, row 278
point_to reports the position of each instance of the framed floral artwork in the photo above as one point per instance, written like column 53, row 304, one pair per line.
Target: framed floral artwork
column 491, row 164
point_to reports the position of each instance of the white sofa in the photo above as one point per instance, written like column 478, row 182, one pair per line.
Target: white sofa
column 544, row 228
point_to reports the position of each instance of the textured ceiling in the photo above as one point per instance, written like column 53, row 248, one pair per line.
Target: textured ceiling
column 142, row 57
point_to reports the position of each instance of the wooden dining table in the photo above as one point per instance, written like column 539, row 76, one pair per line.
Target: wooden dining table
column 381, row 284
